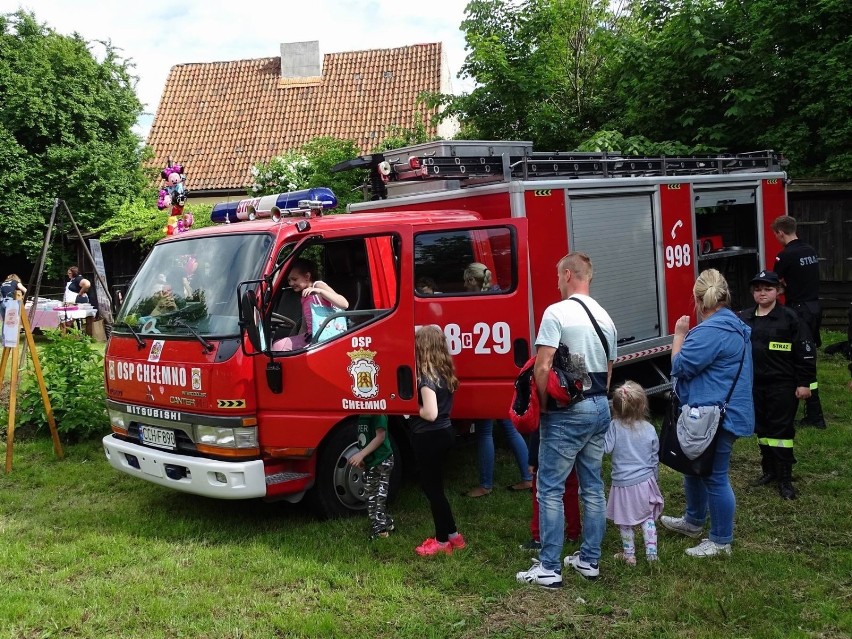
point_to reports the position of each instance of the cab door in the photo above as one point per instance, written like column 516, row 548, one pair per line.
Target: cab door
column 487, row 320
column 366, row 368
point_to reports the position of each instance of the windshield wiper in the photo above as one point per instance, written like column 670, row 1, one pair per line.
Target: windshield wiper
column 139, row 340
column 207, row 345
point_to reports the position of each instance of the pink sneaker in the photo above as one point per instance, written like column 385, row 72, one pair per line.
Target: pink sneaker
column 433, row 547
column 457, row 542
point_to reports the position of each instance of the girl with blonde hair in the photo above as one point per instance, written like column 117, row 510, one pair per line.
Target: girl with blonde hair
column 432, row 435
column 478, row 279
column 634, row 498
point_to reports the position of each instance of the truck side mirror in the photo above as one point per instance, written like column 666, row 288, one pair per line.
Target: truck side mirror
column 252, row 320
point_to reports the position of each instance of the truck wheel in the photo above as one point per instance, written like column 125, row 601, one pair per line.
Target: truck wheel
column 339, row 487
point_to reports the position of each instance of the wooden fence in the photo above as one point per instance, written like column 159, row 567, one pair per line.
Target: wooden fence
column 823, row 212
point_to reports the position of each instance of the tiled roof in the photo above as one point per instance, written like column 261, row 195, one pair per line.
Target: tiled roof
column 219, row 118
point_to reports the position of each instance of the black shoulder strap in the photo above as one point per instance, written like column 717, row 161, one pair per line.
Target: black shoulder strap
column 595, row 324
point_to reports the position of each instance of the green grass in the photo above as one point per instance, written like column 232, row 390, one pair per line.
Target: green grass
column 88, row 552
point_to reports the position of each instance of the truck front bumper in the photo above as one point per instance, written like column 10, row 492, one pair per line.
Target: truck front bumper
column 196, row 475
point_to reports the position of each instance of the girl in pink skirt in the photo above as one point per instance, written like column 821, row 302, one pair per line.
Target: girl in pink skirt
column 634, row 498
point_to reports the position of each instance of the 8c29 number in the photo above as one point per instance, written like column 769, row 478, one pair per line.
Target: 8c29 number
column 483, row 339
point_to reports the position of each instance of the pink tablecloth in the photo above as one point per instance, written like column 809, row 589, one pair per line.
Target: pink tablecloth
column 51, row 318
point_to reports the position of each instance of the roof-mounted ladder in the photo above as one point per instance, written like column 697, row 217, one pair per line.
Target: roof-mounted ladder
column 475, row 162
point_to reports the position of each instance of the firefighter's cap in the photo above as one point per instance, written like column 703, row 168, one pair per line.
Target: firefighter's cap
column 766, row 277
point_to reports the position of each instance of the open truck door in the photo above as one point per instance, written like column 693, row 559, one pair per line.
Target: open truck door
column 356, row 360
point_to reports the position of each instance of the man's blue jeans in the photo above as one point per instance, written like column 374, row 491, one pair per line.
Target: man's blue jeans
column 569, row 437
column 713, row 494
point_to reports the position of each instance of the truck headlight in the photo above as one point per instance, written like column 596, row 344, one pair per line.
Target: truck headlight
column 245, row 437
column 226, row 437
column 116, row 420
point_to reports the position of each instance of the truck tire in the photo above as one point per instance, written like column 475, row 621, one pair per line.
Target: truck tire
column 339, row 487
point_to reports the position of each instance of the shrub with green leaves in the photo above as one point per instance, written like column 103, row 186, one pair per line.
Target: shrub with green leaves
column 73, row 374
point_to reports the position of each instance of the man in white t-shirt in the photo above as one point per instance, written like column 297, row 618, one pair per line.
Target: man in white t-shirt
column 572, row 435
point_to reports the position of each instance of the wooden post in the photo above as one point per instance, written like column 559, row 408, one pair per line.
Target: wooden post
column 13, row 397
column 3, row 361
column 13, row 389
column 36, row 277
column 48, row 409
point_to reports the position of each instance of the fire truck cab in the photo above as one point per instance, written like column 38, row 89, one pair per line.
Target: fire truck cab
column 203, row 398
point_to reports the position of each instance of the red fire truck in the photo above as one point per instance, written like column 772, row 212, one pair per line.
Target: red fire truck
column 202, row 401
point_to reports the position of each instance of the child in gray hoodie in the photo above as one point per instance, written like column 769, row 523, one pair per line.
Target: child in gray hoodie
column 634, row 498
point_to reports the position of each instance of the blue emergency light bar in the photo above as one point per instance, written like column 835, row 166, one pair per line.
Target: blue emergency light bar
column 267, row 205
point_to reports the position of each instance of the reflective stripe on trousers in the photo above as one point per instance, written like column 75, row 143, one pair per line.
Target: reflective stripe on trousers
column 775, row 443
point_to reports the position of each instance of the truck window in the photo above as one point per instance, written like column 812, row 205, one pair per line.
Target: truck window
column 192, row 284
column 363, row 270
column 465, row 262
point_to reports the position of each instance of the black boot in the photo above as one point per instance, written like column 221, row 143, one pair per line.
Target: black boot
column 785, row 480
column 769, row 475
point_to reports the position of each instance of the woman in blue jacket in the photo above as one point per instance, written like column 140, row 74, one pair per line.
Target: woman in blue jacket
column 705, row 361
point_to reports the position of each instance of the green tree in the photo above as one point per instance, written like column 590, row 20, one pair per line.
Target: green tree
column 797, row 91
column 539, row 66
column 140, row 220
column 289, row 171
column 400, row 136
column 672, row 76
column 742, row 75
column 309, row 167
column 664, row 76
column 66, row 123
column 615, row 141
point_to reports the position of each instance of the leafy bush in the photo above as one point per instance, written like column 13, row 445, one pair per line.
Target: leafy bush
column 140, row 220
column 73, row 374
column 616, row 142
column 289, row 171
column 309, row 167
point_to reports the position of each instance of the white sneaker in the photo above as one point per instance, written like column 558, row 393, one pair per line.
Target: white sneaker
column 589, row 571
column 680, row 525
column 540, row 576
column 709, row 548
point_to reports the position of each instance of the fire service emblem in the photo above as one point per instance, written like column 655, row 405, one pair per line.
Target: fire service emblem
column 365, row 373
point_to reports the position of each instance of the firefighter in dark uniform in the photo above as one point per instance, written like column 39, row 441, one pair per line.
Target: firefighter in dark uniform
column 784, row 369
column 798, row 267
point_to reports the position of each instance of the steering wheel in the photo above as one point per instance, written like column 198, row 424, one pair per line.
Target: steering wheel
column 282, row 320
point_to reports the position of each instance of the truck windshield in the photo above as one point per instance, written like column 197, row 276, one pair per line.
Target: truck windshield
column 191, row 285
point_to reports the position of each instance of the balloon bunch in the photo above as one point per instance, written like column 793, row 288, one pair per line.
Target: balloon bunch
column 174, row 195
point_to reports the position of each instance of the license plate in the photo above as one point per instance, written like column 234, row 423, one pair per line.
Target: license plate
column 159, row 437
